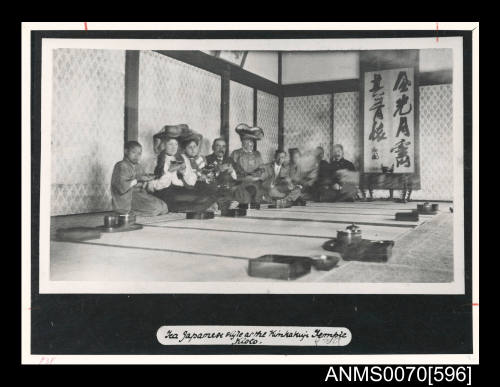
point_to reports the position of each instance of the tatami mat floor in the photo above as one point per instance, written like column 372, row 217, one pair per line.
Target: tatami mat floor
column 173, row 248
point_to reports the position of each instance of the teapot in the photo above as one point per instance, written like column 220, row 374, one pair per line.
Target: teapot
column 352, row 234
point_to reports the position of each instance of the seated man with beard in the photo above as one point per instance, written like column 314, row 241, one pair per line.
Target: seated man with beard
column 341, row 180
column 219, row 171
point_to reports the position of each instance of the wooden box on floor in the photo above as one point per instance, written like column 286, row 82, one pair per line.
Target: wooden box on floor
column 407, row 216
column 368, row 251
column 283, row 267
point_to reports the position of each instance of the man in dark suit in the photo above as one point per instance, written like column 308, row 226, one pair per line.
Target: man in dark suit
column 340, row 184
column 221, row 172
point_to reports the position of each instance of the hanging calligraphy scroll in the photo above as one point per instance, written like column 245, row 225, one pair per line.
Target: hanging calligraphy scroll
column 389, row 121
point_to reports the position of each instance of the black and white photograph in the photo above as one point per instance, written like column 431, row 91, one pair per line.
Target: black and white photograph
column 219, row 166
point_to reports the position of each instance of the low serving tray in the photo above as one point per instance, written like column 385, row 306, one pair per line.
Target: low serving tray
column 408, row 216
column 275, row 206
column 235, row 212
column 200, row 215
column 284, row 267
column 366, row 250
column 128, row 227
column 75, row 234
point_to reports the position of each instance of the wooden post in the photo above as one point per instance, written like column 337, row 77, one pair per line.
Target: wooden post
column 281, row 106
column 131, row 95
column 255, row 92
column 332, row 123
column 224, row 109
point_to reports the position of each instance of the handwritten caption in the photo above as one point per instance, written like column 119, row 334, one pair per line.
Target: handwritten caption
column 253, row 335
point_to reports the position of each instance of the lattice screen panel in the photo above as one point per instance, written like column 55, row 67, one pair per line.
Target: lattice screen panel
column 267, row 119
column 308, row 122
column 87, row 128
column 346, row 124
column 173, row 92
column 436, row 143
column 240, row 111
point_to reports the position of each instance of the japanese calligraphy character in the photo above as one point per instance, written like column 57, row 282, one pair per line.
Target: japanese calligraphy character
column 402, row 82
column 400, row 103
column 401, row 150
column 377, row 79
column 403, row 127
column 377, row 132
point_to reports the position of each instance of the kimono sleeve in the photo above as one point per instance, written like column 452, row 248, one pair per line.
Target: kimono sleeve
column 122, row 177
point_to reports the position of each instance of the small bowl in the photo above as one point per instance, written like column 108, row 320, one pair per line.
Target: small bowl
column 110, row 221
column 325, row 262
column 126, row 219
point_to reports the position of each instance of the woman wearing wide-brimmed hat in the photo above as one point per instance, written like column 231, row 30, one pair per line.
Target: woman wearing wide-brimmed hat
column 249, row 165
column 189, row 142
column 175, row 177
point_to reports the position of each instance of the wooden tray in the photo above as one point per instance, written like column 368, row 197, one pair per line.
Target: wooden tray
column 77, row 234
column 128, row 227
column 275, row 206
column 366, row 250
column 235, row 212
column 407, row 216
column 200, row 215
column 284, row 267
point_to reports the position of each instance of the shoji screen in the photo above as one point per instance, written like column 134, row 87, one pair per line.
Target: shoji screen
column 436, row 143
column 87, row 128
column 173, row 92
column 240, row 111
column 267, row 119
column 308, row 122
column 346, row 124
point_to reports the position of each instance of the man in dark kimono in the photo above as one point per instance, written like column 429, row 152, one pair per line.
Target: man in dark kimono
column 128, row 185
column 340, row 183
column 303, row 170
column 277, row 182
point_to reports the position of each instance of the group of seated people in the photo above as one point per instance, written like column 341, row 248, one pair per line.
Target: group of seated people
column 185, row 181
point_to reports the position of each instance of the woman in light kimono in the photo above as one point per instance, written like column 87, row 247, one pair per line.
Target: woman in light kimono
column 176, row 179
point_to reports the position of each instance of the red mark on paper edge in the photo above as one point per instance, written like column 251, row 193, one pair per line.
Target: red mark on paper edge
column 85, row 23
column 475, row 304
column 437, row 30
